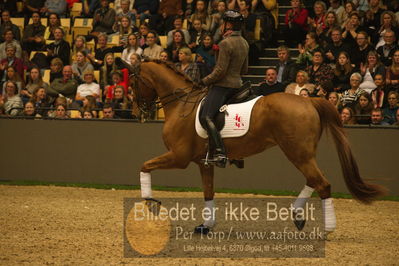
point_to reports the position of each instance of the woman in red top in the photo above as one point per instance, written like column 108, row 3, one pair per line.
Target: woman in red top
column 296, row 23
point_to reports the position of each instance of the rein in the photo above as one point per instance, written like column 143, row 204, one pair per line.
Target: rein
column 176, row 96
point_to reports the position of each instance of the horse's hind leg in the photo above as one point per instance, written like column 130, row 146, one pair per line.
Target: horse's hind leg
column 316, row 180
column 207, row 185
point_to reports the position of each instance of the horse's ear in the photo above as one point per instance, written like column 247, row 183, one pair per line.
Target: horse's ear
column 133, row 69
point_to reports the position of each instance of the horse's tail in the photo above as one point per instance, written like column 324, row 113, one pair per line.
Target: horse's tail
column 329, row 118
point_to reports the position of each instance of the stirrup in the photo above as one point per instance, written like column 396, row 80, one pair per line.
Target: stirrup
column 218, row 160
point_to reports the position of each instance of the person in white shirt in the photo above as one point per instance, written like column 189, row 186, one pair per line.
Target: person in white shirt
column 335, row 5
column 88, row 88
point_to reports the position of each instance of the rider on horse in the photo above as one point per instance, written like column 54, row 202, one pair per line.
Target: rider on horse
column 225, row 79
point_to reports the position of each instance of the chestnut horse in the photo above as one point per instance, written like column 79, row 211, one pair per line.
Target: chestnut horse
column 292, row 122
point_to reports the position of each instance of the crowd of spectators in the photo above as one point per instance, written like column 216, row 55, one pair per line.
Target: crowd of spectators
column 348, row 52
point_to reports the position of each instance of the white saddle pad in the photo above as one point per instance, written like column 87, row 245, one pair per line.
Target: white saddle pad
column 237, row 120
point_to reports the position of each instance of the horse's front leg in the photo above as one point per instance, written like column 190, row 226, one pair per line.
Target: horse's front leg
column 207, row 185
column 164, row 161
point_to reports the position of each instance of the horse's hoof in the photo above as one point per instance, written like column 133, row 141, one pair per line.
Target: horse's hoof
column 153, row 205
column 201, row 229
column 300, row 224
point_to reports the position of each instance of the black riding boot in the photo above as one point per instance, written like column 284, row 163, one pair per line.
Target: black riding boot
column 219, row 155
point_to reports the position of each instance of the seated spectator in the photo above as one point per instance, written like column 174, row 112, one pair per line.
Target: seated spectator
column 124, row 8
column 33, row 38
column 323, row 89
column 54, row 22
column 132, row 47
column 347, row 116
column 121, row 103
column 13, row 61
column 97, row 60
column 377, row 118
column 178, row 42
column 306, row 52
column 206, row 56
column 336, row 46
column 216, row 18
column 363, row 109
column 145, row 9
column 164, row 56
column 286, row 67
column 89, row 87
column 106, row 70
column 370, row 69
column 386, row 51
column 119, row 77
column 29, row 110
column 338, row 9
column 361, row 50
column 331, row 23
column 90, row 102
column 249, row 31
column 319, row 71
column 342, row 72
column 301, row 82
column 196, row 35
column 108, row 111
column 178, row 25
column 12, row 75
column 12, row 102
column 397, row 118
column 187, row 66
column 270, row 85
column 34, row 81
column 81, row 65
column 167, row 11
column 153, row 50
column 352, row 28
column 295, row 24
column 392, row 108
column 65, row 86
column 41, row 101
column 124, row 28
column 54, row 6
column 304, row 93
column 334, row 99
column 201, row 14
column 349, row 8
column 350, row 96
column 267, row 12
column 6, row 24
column 392, row 73
column 379, row 94
column 32, row 6
column 59, row 48
column 103, row 19
column 372, row 20
column 144, row 29
column 9, row 40
column 61, row 111
column 317, row 22
column 388, row 22
column 79, row 45
column 135, row 59
column 56, row 67
column 87, row 113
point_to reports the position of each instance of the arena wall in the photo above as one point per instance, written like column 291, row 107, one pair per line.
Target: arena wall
column 111, row 152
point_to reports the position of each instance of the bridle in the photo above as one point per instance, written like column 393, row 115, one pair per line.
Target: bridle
column 178, row 94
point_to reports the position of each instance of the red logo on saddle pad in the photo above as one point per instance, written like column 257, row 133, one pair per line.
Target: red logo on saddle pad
column 238, row 123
